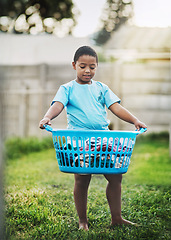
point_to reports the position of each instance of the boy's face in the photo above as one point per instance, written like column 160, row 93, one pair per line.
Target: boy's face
column 85, row 67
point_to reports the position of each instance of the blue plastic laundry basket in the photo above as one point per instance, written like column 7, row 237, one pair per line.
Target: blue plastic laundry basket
column 93, row 151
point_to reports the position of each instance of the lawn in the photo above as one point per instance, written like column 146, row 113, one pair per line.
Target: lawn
column 39, row 199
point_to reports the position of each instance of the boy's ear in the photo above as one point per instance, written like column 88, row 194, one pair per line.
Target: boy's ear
column 73, row 65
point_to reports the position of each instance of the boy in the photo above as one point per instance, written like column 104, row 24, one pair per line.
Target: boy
column 85, row 101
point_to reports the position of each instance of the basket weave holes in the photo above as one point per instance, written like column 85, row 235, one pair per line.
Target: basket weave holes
column 86, row 143
column 104, row 144
column 110, row 144
column 74, row 143
column 98, row 142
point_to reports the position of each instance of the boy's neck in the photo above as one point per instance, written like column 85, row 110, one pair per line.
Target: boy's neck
column 83, row 82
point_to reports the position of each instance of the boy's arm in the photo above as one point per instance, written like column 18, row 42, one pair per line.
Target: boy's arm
column 125, row 115
column 52, row 112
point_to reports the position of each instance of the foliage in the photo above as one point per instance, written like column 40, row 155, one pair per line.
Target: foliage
column 35, row 16
column 39, row 199
column 102, row 58
column 115, row 14
column 17, row 147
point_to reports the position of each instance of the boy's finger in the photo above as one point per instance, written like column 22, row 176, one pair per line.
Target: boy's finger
column 49, row 122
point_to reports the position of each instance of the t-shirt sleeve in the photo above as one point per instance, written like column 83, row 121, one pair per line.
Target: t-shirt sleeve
column 110, row 97
column 61, row 96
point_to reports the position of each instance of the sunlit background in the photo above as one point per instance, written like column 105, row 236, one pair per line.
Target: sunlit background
column 147, row 13
column 88, row 15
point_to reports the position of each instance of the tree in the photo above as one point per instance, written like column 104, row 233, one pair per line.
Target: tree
column 36, row 16
column 115, row 14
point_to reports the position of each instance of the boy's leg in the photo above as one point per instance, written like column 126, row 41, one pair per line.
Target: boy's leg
column 80, row 198
column 113, row 193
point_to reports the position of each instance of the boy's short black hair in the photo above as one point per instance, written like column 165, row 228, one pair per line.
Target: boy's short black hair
column 85, row 50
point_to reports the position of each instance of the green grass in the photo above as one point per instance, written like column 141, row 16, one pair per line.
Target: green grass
column 150, row 162
column 40, row 205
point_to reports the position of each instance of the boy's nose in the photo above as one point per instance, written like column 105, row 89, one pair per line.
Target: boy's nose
column 87, row 69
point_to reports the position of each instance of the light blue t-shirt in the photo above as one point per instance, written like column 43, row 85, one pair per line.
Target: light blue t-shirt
column 85, row 104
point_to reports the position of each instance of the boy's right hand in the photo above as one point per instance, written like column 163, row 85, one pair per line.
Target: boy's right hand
column 44, row 121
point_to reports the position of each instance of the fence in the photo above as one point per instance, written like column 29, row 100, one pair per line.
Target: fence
column 26, row 92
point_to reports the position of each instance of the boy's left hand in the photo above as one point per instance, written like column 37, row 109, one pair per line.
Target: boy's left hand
column 138, row 124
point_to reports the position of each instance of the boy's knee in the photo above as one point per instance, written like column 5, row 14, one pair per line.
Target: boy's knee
column 82, row 180
column 114, row 178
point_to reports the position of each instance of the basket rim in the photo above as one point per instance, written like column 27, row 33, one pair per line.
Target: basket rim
column 136, row 132
column 91, row 131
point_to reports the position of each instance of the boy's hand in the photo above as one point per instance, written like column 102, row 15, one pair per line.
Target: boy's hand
column 44, row 121
column 125, row 115
column 138, row 124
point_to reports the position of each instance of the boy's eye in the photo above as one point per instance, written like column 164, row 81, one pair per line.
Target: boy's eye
column 91, row 67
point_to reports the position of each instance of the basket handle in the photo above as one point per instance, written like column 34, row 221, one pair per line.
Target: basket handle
column 142, row 130
column 48, row 128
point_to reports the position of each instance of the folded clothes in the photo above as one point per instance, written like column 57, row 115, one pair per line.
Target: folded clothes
column 97, row 145
column 108, row 159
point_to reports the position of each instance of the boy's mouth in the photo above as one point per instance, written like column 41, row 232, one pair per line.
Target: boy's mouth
column 87, row 76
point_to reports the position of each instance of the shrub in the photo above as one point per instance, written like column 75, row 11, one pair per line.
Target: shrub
column 161, row 136
column 17, row 147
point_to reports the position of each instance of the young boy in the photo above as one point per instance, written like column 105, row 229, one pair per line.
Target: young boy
column 85, row 101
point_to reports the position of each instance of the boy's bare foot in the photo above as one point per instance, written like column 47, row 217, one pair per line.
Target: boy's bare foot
column 83, row 226
column 123, row 222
